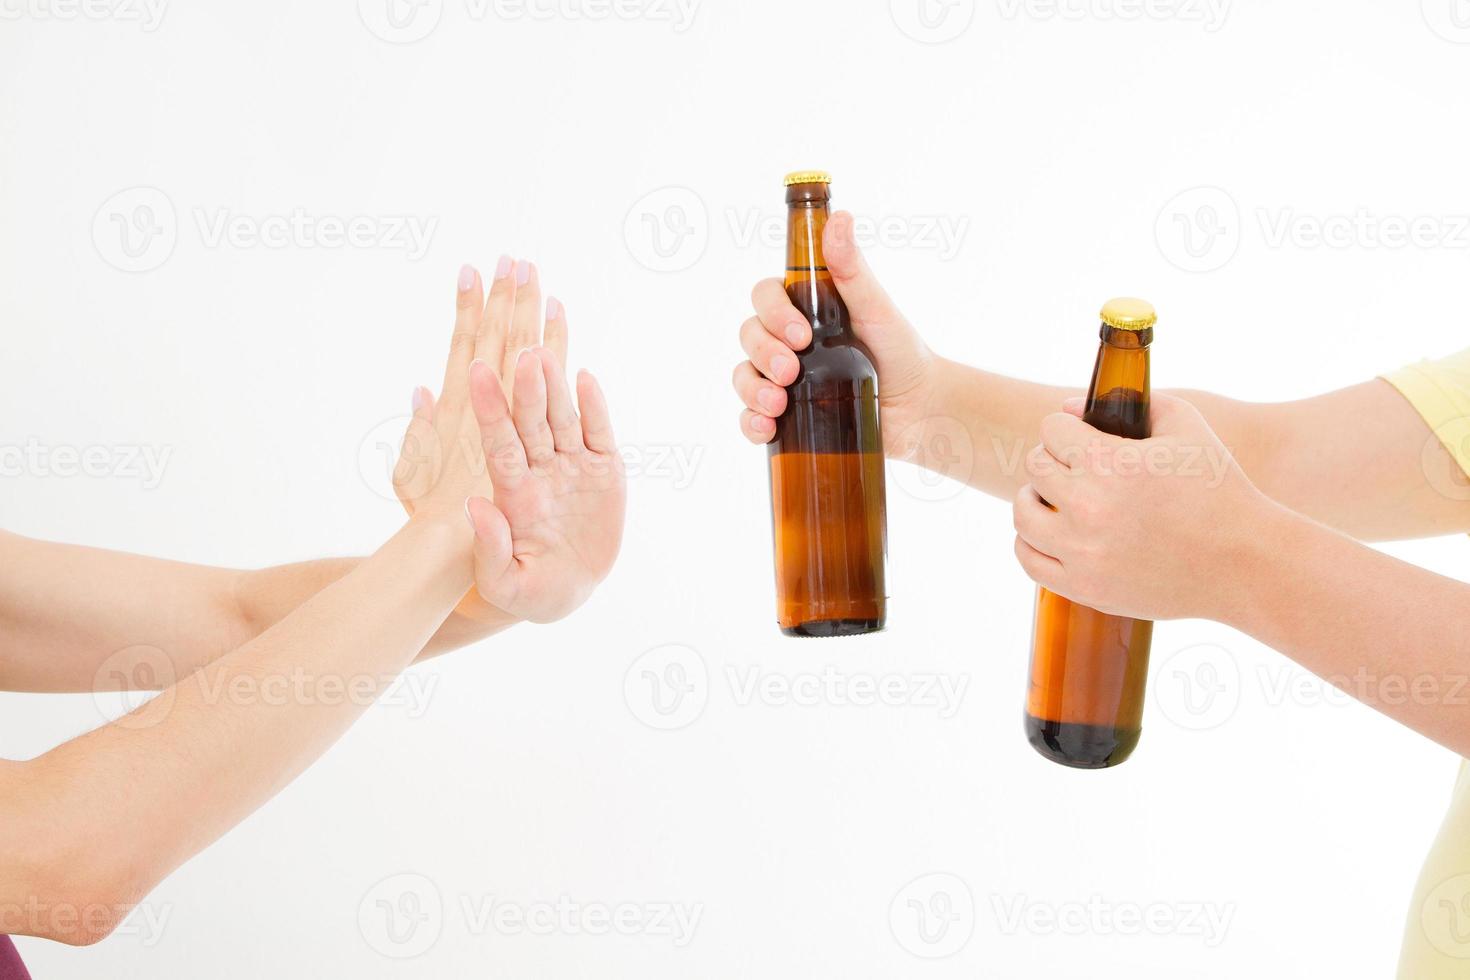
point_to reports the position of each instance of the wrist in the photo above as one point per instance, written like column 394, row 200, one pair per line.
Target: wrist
column 919, row 412
column 1254, row 556
column 440, row 548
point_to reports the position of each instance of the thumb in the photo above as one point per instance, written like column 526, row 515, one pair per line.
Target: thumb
column 495, row 562
column 1074, row 405
column 865, row 298
column 1171, row 416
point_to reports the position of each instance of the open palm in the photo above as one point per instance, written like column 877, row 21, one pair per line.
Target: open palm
column 556, row 522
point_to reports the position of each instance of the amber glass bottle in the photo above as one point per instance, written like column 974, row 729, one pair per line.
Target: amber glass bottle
column 1088, row 670
column 827, row 499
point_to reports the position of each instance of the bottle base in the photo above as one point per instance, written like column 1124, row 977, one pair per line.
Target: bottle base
column 1081, row 746
column 834, row 627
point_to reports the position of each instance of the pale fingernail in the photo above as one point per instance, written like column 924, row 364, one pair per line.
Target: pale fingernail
column 796, row 335
column 469, row 515
column 553, row 308
column 420, row 398
column 767, row 399
column 503, row 266
column 779, row 364
column 466, row 277
column 523, row 272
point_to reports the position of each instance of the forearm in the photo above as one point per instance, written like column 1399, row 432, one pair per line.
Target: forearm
column 1392, row 635
column 263, row 598
column 103, row 818
column 977, row 426
column 74, row 618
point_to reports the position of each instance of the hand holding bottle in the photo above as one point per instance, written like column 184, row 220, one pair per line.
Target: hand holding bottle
column 771, row 338
column 1137, row 523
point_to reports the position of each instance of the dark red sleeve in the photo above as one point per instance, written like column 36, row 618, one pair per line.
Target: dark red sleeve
column 11, row 968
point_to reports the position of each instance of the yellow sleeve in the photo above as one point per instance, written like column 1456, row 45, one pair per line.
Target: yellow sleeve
column 1440, row 392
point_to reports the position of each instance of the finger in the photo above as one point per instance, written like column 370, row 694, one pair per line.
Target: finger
column 413, row 474
column 1042, row 569
column 775, row 311
column 494, row 325
column 759, row 429
column 866, row 300
column 1072, row 441
column 525, row 317
column 505, row 458
column 566, row 428
column 597, row 433
column 462, row 345
column 554, row 334
column 1036, row 523
column 772, row 357
column 495, row 561
column 759, row 395
column 528, row 408
column 1074, row 406
column 1051, row 477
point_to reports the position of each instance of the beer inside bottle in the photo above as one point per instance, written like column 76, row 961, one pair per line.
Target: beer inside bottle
column 1088, row 670
column 826, row 460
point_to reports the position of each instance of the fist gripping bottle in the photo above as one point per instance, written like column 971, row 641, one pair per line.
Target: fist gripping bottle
column 1088, row 670
column 826, row 461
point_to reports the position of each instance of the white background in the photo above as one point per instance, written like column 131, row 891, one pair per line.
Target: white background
column 1060, row 143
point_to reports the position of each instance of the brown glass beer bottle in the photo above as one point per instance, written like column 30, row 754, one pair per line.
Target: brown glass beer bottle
column 1088, row 670
column 826, row 460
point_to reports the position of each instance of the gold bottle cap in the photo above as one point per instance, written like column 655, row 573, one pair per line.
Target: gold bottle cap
column 807, row 177
column 1128, row 313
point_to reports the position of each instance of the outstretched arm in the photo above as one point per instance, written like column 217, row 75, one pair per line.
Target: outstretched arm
column 1356, row 459
column 96, row 823
column 80, row 619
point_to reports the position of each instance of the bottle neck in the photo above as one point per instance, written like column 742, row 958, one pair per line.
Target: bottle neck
column 808, row 282
column 1118, row 399
column 804, row 226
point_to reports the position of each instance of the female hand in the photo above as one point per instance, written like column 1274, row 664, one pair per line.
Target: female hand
column 771, row 337
column 556, row 522
column 1152, row 528
column 443, row 464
